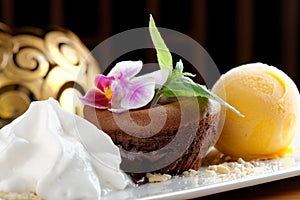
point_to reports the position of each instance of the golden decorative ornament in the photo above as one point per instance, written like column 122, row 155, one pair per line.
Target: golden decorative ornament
column 37, row 64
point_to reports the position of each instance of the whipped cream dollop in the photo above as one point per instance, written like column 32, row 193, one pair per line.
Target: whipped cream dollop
column 58, row 155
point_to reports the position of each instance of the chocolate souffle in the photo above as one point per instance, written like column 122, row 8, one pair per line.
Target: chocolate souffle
column 188, row 128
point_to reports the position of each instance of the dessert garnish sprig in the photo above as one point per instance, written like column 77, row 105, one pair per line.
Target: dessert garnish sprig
column 178, row 82
column 122, row 90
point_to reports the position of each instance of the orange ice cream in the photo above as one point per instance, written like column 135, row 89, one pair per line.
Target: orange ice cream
column 270, row 101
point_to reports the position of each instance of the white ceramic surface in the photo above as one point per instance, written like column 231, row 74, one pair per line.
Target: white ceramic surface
column 198, row 186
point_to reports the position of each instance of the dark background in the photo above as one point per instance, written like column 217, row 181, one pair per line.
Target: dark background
column 233, row 32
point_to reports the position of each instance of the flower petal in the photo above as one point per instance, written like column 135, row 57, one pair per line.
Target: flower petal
column 160, row 77
column 103, row 82
column 140, row 93
column 126, row 69
column 96, row 99
column 117, row 110
column 118, row 94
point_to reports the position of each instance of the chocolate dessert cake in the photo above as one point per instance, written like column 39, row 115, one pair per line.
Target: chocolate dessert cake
column 190, row 129
column 163, row 122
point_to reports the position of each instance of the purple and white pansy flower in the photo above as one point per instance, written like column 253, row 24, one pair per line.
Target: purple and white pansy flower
column 122, row 90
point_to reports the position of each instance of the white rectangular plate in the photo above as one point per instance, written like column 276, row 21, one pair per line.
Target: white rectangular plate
column 198, row 186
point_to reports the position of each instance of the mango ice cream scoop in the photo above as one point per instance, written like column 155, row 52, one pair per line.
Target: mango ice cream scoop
column 270, row 103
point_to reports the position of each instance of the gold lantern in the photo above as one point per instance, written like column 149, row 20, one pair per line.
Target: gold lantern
column 37, row 64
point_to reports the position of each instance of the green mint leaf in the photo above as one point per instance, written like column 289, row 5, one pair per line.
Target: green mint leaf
column 179, row 67
column 185, row 86
column 221, row 101
column 178, row 71
column 164, row 56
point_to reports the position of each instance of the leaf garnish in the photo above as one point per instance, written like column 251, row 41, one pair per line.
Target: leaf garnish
column 163, row 54
column 178, row 83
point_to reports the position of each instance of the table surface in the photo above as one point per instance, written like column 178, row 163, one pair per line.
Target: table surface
column 285, row 189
